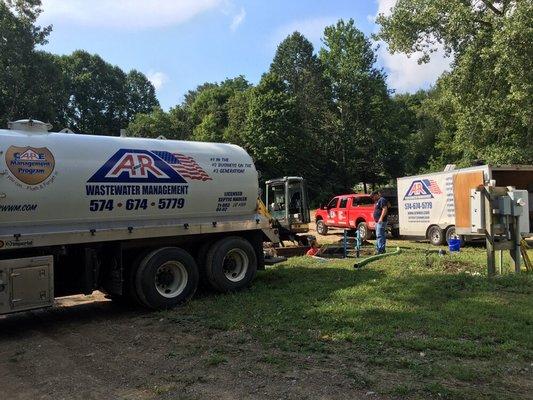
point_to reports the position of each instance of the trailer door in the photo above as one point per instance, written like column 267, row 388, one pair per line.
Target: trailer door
column 463, row 182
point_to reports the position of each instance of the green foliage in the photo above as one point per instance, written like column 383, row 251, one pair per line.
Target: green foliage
column 485, row 104
column 102, row 97
column 273, row 134
column 26, row 76
column 365, row 144
column 417, row 128
column 171, row 125
column 80, row 91
column 208, row 108
column 296, row 64
column 140, row 94
column 238, row 109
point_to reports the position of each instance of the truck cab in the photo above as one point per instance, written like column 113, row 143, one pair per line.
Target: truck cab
column 354, row 211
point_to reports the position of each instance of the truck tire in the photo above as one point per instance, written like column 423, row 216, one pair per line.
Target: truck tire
column 231, row 264
column 165, row 278
column 395, row 232
column 436, row 235
column 321, row 227
column 364, row 232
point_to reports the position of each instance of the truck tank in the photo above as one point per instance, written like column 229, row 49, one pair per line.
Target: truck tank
column 53, row 180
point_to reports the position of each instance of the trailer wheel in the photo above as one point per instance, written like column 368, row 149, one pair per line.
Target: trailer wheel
column 451, row 232
column 165, row 278
column 321, row 227
column 231, row 264
column 435, row 235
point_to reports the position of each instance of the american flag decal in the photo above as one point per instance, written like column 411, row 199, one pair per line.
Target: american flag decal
column 432, row 186
column 184, row 165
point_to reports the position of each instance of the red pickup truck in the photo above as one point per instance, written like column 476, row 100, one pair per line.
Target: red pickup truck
column 354, row 211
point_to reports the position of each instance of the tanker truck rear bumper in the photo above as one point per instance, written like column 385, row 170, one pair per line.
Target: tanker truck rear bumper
column 153, row 264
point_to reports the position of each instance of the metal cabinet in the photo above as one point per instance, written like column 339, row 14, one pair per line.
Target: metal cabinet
column 26, row 283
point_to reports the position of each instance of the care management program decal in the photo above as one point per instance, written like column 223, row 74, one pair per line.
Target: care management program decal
column 30, row 165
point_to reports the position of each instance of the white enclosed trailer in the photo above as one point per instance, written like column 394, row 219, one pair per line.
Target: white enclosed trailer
column 140, row 219
column 426, row 203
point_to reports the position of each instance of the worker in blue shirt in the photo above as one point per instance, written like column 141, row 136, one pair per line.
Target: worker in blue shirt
column 381, row 210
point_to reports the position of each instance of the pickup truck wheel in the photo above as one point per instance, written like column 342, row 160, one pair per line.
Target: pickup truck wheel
column 165, row 278
column 364, row 232
column 321, row 227
column 231, row 264
column 436, row 235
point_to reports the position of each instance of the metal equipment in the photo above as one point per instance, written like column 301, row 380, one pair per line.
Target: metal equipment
column 287, row 203
column 501, row 214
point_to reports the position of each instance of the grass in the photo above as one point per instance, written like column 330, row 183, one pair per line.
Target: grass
column 417, row 325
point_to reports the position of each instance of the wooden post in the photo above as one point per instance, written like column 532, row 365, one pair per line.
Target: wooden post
column 491, row 259
column 515, row 251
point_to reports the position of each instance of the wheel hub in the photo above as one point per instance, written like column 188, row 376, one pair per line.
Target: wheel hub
column 235, row 265
column 171, row 279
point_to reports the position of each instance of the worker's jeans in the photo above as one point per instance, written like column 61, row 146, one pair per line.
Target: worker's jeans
column 381, row 237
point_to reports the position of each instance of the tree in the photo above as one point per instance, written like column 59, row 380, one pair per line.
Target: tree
column 485, row 100
column 171, row 125
column 27, row 78
column 300, row 69
column 208, row 111
column 140, row 94
column 273, row 131
column 102, row 98
column 98, row 100
column 238, row 109
column 417, row 127
column 361, row 138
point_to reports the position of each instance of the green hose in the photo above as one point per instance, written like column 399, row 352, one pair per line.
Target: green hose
column 376, row 257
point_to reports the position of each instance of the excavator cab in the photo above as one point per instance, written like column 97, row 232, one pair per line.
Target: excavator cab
column 287, row 202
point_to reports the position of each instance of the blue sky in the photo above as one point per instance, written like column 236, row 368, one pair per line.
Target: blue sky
column 180, row 44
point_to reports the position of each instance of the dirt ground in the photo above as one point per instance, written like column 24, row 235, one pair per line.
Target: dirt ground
column 92, row 348
column 98, row 350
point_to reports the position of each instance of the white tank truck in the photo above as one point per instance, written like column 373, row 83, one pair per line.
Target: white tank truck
column 142, row 220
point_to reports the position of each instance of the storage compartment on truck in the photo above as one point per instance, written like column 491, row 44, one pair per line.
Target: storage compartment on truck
column 26, row 283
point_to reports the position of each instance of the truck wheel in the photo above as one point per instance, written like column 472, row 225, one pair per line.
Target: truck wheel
column 451, row 232
column 165, row 278
column 364, row 232
column 231, row 264
column 321, row 227
column 395, row 233
column 435, row 235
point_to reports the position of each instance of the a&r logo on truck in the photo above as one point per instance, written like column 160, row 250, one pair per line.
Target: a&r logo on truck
column 422, row 189
column 143, row 166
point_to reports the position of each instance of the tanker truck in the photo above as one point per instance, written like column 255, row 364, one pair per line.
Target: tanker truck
column 143, row 220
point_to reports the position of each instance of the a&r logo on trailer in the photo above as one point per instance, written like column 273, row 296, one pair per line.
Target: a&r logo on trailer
column 422, row 189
